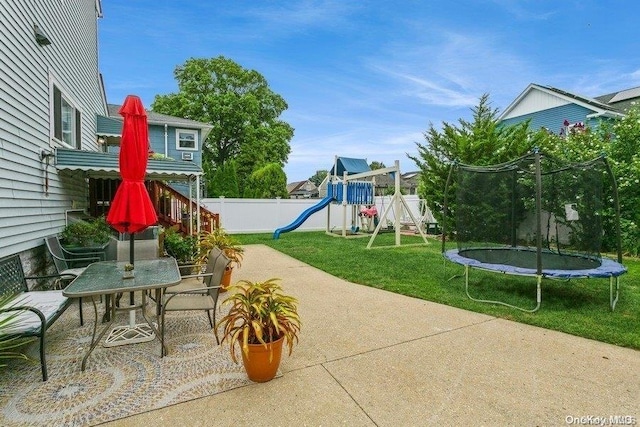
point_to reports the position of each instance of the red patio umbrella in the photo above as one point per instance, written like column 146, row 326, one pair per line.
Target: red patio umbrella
column 131, row 210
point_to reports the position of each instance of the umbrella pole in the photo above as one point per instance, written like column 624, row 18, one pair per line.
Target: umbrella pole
column 132, row 313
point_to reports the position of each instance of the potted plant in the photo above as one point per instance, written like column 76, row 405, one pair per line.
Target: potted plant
column 8, row 343
column 226, row 243
column 86, row 234
column 261, row 319
column 128, row 271
column 183, row 248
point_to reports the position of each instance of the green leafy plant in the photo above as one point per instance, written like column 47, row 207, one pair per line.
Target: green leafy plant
column 86, row 233
column 260, row 313
column 182, row 248
column 219, row 238
column 7, row 342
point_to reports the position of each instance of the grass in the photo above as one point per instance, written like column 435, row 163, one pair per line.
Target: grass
column 577, row 307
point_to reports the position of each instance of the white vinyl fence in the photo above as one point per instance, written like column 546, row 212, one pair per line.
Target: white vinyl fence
column 266, row 215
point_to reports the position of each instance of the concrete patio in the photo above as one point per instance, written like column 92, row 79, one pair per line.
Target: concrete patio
column 368, row 357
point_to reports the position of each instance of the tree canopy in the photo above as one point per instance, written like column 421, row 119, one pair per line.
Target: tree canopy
column 318, row 177
column 479, row 142
column 376, row 165
column 267, row 182
column 243, row 110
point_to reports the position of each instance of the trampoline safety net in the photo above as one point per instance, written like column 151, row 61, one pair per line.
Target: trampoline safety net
column 532, row 212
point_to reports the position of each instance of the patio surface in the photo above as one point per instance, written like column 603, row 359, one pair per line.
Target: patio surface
column 368, row 357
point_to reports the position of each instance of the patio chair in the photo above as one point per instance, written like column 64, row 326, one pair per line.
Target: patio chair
column 196, row 281
column 192, row 299
column 65, row 260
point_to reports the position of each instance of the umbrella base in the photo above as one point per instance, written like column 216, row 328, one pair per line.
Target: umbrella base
column 129, row 334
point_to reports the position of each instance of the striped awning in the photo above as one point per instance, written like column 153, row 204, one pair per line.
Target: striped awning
column 105, row 165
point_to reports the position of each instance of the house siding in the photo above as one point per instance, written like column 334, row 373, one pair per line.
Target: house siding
column 552, row 118
column 33, row 196
column 177, row 154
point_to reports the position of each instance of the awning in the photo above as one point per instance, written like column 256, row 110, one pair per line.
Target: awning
column 105, row 165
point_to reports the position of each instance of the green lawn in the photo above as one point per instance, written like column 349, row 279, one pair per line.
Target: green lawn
column 578, row 307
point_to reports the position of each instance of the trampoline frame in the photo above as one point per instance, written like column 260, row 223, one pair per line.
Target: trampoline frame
column 608, row 269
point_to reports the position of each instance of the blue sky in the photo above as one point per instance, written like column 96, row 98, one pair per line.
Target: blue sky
column 365, row 78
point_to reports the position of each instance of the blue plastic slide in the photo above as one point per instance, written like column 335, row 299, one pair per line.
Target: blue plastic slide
column 303, row 217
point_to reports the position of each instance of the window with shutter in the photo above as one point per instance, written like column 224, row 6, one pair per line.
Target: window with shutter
column 66, row 119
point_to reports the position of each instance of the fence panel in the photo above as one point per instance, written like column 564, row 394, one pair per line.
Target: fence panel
column 266, row 215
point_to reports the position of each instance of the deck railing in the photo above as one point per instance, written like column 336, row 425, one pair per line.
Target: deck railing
column 176, row 210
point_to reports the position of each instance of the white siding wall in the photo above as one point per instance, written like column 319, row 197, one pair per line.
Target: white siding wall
column 266, row 215
column 27, row 212
column 535, row 101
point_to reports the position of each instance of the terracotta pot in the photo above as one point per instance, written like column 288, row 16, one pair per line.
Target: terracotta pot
column 226, row 279
column 257, row 364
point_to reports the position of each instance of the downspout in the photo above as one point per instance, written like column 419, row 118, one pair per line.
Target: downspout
column 166, row 140
column 198, row 224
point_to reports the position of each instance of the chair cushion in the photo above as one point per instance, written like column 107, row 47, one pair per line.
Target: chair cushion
column 48, row 302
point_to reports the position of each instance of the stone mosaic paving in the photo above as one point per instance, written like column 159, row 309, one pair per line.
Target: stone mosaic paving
column 119, row 381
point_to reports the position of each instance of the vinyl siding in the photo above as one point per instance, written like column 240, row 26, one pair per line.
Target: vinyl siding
column 28, row 212
column 552, row 118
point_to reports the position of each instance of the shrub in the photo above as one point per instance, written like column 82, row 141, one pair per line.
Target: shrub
column 86, row 233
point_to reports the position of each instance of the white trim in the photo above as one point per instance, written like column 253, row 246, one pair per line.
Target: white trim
column 195, row 139
column 562, row 100
column 69, row 99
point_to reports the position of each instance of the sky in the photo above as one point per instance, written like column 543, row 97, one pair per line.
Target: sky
column 365, row 79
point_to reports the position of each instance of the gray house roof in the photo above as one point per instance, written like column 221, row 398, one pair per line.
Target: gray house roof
column 621, row 100
column 112, row 125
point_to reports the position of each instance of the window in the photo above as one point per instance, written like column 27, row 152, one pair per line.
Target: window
column 186, row 139
column 66, row 119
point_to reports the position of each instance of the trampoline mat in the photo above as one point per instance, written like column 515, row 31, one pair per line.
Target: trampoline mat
column 525, row 258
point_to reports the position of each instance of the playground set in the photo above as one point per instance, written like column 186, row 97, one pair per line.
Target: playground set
column 351, row 183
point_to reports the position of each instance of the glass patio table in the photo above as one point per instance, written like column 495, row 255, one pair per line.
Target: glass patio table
column 107, row 278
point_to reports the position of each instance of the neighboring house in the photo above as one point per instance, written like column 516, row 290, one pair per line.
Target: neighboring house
column 174, row 137
column 557, row 110
column 409, row 181
column 302, row 190
column 385, row 184
column 180, row 139
column 55, row 125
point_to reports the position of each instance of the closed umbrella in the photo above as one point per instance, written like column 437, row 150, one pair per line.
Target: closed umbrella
column 131, row 210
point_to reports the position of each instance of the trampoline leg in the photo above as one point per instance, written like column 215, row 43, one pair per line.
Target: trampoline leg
column 538, row 294
column 613, row 301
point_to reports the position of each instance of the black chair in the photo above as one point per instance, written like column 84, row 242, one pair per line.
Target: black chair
column 64, row 262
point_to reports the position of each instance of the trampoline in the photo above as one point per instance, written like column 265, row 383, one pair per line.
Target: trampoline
column 529, row 219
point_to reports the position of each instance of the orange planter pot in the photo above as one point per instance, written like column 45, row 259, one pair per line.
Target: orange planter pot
column 226, row 279
column 257, row 364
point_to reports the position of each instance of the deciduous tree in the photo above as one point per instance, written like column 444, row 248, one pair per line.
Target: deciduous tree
column 319, row 176
column 241, row 107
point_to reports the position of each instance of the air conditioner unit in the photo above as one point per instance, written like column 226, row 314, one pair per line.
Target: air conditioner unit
column 187, row 156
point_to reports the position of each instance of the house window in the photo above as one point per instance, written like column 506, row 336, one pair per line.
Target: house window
column 186, row 139
column 66, row 119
